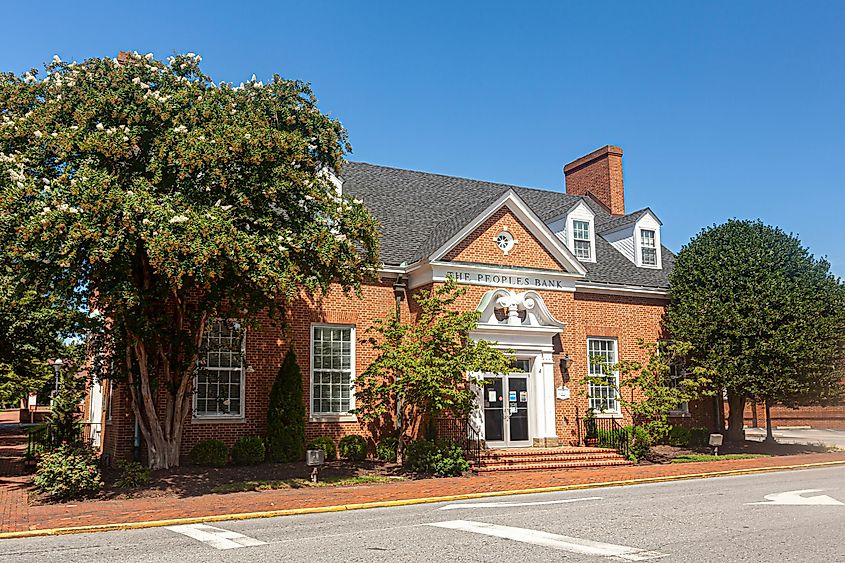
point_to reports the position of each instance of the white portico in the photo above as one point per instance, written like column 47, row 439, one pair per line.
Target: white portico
column 518, row 409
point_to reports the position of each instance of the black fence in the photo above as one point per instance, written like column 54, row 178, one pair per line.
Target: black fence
column 603, row 432
column 41, row 439
column 461, row 432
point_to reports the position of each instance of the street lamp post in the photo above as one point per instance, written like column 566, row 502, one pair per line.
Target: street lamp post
column 57, row 367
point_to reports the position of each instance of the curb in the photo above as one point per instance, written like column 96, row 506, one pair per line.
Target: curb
column 404, row 502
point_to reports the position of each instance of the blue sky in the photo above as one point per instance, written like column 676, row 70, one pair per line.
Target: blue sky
column 733, row 109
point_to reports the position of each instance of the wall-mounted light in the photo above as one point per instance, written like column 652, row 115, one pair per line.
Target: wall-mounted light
column 565, row 363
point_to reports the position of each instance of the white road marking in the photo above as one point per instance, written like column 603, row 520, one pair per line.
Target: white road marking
column 215, row 537
column 512, row 504
column 554, row 541
column 795, row 498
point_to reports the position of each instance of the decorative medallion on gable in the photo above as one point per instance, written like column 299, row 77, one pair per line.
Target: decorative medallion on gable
column 503, row 239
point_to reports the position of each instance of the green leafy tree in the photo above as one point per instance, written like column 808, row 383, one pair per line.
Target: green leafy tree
column 431, row 363
column 33, row 328
column 761, row 315
column 162, row 200
column 646, row 392
column 66, row 412
column 286, row 414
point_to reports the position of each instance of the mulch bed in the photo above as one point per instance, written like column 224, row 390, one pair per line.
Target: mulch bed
column 191, row 480
column 665, row 454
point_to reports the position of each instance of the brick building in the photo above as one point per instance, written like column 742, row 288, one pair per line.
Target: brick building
column 557, row 277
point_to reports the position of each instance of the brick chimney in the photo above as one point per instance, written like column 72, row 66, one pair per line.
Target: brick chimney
column 598, row 175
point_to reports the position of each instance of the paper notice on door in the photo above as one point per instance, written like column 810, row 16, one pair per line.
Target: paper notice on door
column 523, row 396
column 491, row 395
column 512, row 396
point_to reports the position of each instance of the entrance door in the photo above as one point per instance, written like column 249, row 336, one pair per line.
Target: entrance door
column 506, row 409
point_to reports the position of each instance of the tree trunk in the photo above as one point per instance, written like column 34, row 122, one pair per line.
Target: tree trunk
column 770, row 437
column 736, row 405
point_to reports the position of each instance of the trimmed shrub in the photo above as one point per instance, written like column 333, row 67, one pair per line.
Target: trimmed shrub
column 68, row 472
column 248, row 450
column 699, row 437
column 323, row 443
column 641, row 443
column 386, row 449
column 353, row 448
column 444, row 459
column 286, row 414
column 680, row 436
column 132, row 475
column 213, row 453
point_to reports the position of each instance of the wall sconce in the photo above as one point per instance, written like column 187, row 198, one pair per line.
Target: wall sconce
column 565, row 363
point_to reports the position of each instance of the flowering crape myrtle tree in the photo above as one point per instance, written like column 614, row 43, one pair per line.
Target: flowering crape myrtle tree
column 161, row 201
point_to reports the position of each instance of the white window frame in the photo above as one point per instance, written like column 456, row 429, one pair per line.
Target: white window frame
column 616, row 410
column 653, row 247
column 588, row 240
column 330, row 416
column 241, row 416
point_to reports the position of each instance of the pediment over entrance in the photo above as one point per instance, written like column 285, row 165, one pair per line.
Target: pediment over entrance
column 504, row 307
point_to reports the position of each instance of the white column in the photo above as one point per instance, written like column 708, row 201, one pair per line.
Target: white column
column 547, row 377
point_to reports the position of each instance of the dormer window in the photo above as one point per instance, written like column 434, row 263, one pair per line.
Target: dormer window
column 648, row 248
column 581, row 239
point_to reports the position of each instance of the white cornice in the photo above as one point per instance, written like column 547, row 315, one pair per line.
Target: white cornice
column 635, row 290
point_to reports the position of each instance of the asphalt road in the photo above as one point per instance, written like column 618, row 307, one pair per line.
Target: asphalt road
column 697, row 521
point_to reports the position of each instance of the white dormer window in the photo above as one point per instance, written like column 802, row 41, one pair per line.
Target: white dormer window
column 581, row 240
column 648, row 247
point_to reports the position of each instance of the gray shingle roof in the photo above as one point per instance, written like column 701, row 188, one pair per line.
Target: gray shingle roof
column 419, row 211
column 613, row 223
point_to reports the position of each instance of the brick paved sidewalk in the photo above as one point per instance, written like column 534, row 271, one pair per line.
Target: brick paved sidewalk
column 22, row 517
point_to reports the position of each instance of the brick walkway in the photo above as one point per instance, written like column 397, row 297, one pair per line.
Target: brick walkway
column 13, row 484
column 18, row 516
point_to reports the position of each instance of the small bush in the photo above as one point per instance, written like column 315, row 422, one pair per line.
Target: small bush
column 444, row 459
column 248, row 450
column 353, row 448
column 641, row 443
column 699, row 437
column 679, row 436
column 323, row 443
column 68, row 472
column 212, row 453
column 386, row 449
column 132, row 475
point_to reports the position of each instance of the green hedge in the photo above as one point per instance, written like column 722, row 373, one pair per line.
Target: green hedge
column 386, row 449
column 445, row 459
column 353, row 448
column 213, row 453
column 248, row 450
column 69, row 472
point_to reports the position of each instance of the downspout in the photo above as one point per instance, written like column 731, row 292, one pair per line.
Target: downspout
column 399, row 287
column 136, row 445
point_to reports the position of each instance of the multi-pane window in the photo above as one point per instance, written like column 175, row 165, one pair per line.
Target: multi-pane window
column 219, row 386
column 332, row 369
column 581, row 239
column 676, row 380
column 648, row 248
column 602, row 352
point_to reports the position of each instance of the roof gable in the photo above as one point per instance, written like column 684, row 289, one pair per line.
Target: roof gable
column 535, row 247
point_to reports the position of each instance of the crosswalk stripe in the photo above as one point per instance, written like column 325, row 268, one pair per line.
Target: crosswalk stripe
column 513, row 504
column 215, row 537
column 554, row 541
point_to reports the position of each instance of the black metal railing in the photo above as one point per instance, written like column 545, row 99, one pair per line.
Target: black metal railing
column 463, row 433
column 604, row 432
column 41, row 438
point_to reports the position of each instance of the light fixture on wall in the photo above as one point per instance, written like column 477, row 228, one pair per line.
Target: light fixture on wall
column 565, row 363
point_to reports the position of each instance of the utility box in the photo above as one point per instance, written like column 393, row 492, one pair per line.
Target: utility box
column 715, row 440
column 315, row 458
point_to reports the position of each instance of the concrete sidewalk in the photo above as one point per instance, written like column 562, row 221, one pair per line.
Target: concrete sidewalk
column 18, row 516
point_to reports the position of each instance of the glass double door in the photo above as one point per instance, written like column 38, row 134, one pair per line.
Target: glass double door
column 506, row 408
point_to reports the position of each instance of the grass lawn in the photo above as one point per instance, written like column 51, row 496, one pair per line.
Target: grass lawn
column 705, row 457
column 300, row 483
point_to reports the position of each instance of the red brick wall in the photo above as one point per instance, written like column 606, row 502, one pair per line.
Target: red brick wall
column 816, row 417
column 478, row 247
